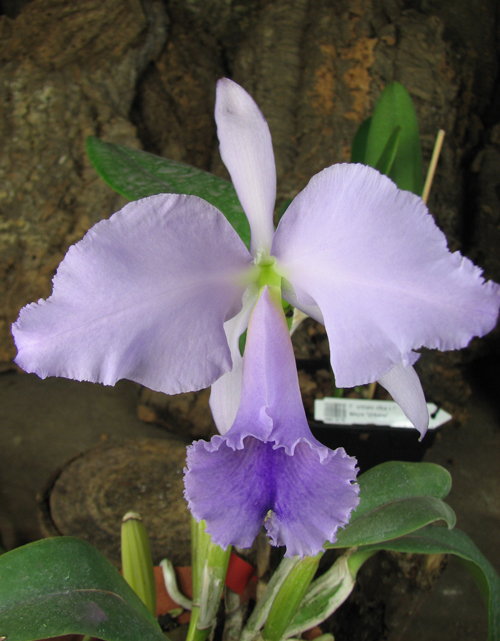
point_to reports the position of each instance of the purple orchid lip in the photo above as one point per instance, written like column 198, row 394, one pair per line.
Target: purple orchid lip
column 268, row 468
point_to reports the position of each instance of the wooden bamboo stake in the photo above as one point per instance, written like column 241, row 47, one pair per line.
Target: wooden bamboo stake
column 433, row 164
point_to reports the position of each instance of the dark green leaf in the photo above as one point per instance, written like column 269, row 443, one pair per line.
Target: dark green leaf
column 396, row 480
column 395, row 499
column 386, row 160
column 358, row 149
column 65, row 586
column 242, row 342
column 136, row 174
column 439, row 540
column 395, row 109
column 393, row 520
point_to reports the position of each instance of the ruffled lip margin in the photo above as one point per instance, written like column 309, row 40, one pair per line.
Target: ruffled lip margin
column 301, row 498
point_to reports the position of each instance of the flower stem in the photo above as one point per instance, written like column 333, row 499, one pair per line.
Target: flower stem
column 194, row 633
column 263, row 559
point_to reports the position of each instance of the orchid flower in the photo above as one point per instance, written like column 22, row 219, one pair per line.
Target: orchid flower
column 161, row 292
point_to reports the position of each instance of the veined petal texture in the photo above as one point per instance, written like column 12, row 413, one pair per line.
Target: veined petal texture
column 143, row 296
column 374, row 261
column 268, row 468
column 247, row 151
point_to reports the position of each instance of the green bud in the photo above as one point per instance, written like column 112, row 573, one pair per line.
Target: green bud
column 137, row 562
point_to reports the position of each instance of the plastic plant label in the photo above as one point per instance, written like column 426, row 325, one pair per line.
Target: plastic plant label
column 349, row 411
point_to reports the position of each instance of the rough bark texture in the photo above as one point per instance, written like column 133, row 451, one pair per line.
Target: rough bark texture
column 316, row 69
column 66, row 72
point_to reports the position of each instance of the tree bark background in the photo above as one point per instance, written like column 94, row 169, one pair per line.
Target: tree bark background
column 143, row 73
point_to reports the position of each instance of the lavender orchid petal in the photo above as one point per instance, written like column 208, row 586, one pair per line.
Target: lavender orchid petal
column 268, row 468
column 226, row 391
column 143, row 296
column 372, row 258
column 404, row 386
column 247, row 151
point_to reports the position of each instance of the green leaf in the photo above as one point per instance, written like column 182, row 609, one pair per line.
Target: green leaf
column 386, row 160
column 325, row 595
column 395, row 109
column 263, row 606
column 394, row 520
column 358, row 149
column 397, row 498
column 439, row 540
column 286, row 603
column 136, row 174
column 63, row 586
column 396, row 480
